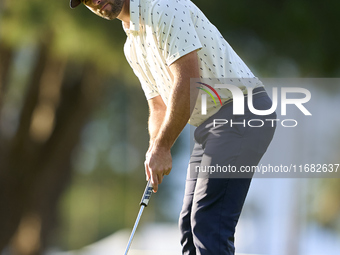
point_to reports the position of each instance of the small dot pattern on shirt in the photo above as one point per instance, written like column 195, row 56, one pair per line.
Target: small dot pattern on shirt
column 162, row 31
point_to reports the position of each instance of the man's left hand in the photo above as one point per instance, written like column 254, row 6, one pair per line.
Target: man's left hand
column 158, row 163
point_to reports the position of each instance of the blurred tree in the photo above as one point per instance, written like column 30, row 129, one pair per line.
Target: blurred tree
column 6, row 57
column 35, row 162
column 58, row 97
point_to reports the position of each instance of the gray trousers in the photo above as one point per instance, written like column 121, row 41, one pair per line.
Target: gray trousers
column 212, row 203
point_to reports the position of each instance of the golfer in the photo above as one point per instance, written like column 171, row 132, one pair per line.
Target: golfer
column 178, row 56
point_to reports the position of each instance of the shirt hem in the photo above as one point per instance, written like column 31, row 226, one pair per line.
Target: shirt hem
column 182, row 53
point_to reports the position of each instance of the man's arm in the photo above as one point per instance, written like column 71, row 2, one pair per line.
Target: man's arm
column 173, row 118
column 157, row 110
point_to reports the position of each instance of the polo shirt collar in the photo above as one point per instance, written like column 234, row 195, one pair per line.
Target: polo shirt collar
column 134, row 15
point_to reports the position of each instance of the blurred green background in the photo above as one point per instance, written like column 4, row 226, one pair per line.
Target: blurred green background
column 73, row 118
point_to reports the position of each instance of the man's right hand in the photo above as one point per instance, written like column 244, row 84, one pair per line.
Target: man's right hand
column 158, row 163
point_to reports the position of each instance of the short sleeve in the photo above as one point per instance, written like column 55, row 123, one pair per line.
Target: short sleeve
column 175, row 30
column 149, row 88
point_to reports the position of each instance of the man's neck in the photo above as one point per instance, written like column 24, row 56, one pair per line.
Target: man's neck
column 124, row 15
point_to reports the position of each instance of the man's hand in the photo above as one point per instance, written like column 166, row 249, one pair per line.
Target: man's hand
column 158, row 163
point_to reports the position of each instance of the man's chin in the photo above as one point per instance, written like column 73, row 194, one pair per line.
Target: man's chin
column 103, row 15
column 108, row 18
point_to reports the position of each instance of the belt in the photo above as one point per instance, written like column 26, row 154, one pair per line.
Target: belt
column 257, row 90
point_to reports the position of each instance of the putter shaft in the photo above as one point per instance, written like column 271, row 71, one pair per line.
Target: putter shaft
column 144, row 203
column 134, row 229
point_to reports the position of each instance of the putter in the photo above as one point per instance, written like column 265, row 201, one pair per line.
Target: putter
column 143, row 203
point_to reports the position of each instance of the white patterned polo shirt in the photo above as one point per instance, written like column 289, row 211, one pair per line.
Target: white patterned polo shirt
column 162, row 31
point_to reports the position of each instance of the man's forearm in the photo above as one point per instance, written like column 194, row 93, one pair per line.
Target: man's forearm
column 177, row 114
column 156, row 119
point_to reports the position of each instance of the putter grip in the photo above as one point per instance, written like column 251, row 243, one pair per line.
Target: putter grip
column 147, row 194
